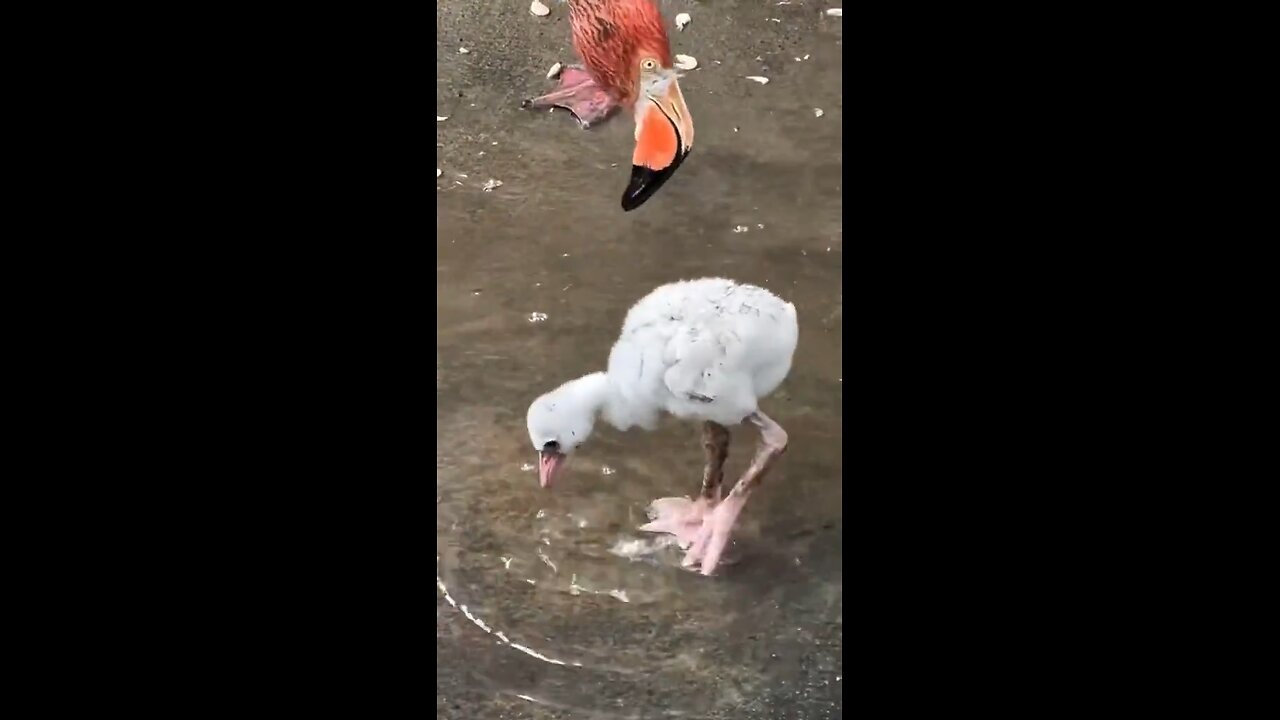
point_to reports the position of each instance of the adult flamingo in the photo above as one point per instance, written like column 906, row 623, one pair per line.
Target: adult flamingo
column 627, row 57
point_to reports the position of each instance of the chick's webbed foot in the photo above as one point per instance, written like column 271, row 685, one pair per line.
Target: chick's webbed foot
column 711, row 539
column 678, row 516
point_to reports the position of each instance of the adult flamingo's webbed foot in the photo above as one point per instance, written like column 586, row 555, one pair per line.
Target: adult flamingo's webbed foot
column 578, row 94
column 709, row 544
column 683, row 517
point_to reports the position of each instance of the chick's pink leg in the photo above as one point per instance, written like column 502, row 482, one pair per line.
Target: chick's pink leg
column 578, row 94
column 683, row 517
column 709, row 544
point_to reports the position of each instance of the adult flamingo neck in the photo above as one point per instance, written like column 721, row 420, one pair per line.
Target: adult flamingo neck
column 620, row 32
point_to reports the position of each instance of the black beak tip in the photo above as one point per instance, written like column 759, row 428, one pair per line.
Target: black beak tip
column 645, row 182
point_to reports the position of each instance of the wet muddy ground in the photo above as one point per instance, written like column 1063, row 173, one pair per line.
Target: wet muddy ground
column 550, row 603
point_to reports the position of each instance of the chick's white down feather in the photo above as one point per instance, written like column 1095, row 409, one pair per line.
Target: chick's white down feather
column 704, row 349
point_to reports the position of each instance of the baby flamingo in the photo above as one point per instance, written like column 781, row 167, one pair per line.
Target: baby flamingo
column 704, row 350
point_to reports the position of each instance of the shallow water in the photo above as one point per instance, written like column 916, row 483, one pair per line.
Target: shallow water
column 569, row 610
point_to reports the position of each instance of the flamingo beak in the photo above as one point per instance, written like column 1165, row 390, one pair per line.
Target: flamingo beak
column 664, row 137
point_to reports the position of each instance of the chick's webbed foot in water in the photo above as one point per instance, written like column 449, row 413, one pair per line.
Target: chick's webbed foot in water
column 678, row 516
column 578, row 94
column 712, row 537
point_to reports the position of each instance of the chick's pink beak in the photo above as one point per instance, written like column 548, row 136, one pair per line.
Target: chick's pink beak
column 549, row 465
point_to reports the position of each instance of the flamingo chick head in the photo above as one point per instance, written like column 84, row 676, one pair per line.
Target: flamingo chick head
column 664, row 130
column 560, row 421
